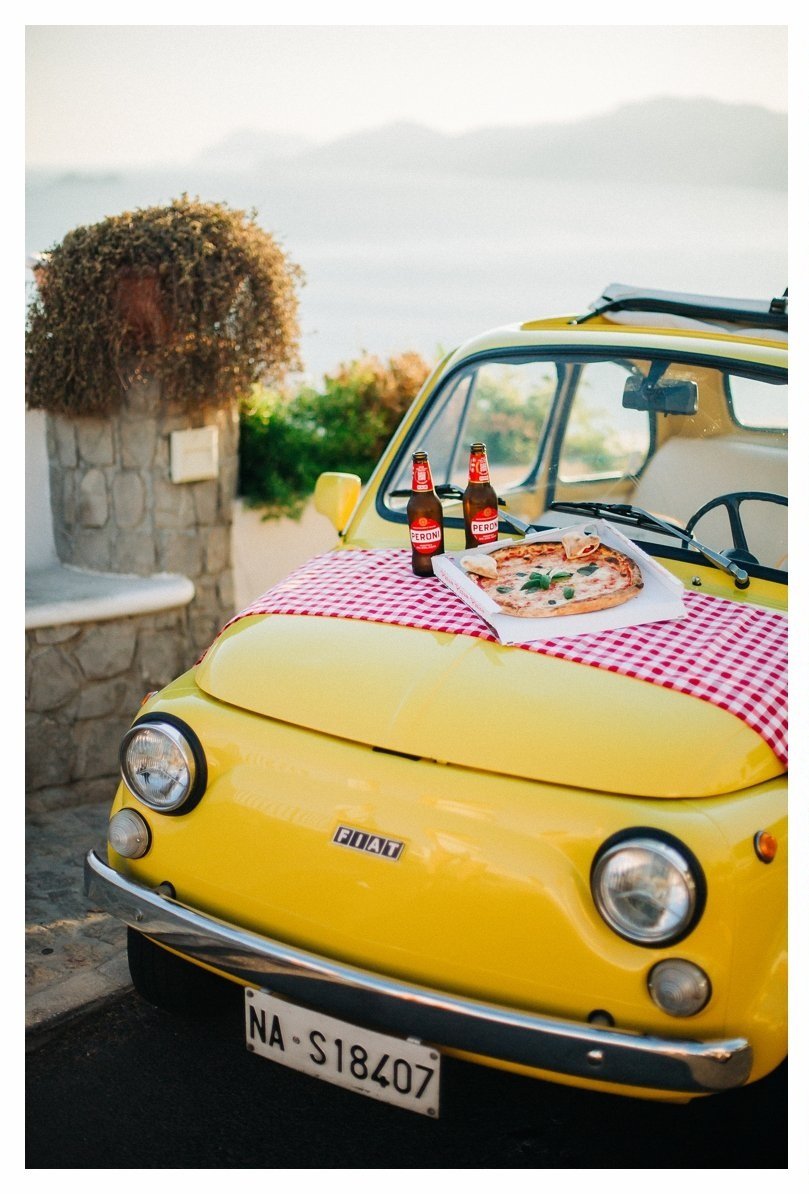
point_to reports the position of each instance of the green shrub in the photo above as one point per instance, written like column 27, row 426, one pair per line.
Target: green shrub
column 288, row 439
column 279, row 452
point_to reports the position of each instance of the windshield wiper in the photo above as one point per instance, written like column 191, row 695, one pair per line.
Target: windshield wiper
column 643, row 520
column 632, row 516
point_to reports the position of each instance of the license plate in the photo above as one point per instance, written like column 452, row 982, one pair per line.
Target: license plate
column 403, row 1072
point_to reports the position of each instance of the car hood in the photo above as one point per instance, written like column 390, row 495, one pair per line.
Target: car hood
column 463, row 701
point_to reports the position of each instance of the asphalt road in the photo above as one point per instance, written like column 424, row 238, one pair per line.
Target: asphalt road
column 128, row 1086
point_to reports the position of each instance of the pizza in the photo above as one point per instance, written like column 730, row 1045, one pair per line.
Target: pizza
column 576, row 574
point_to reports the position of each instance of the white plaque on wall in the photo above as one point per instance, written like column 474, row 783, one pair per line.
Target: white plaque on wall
column 195, row 454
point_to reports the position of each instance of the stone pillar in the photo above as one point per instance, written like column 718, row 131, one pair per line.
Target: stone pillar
column 116, row 509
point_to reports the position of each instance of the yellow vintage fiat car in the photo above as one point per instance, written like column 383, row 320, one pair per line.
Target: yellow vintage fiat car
column 405, row 837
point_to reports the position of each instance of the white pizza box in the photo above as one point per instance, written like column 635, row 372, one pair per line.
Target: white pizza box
column 660, row 600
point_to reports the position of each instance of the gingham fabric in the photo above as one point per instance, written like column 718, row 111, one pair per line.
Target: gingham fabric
column 724, row 652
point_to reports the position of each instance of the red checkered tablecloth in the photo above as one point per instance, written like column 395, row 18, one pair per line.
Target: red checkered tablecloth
column 730, row 654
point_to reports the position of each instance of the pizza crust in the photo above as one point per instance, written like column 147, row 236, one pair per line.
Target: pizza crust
column 603, row 579
column 578, row 545
column 481, row 565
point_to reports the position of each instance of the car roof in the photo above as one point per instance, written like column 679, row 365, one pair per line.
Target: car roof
column 754, row 331
column 619, row 303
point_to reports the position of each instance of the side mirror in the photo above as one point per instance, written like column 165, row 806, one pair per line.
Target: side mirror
column 336, row 496
column 667, row 397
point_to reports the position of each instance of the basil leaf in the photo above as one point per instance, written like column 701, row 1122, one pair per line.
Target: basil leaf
column 568, row 593
column 561, row 576
column 504, row 588
column 587, row 570
column 536, row 581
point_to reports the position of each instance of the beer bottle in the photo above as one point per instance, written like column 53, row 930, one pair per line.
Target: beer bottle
column 479, row 500
column 425, row 517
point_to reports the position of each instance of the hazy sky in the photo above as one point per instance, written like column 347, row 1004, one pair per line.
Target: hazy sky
column 112, row 95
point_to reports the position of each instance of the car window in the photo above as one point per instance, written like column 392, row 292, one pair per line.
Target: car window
column 502, row 404
column 757, row 404
column 602, row 438
column 509, row 407
column 557, row 430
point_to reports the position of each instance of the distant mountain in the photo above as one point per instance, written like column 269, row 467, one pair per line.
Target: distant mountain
column 246, row 149
column 695, row 141
column 684, row 140
column 396, row 146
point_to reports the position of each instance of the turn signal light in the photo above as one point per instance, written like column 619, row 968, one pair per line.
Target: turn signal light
column 128, row 834
column 678, row 987
column 765, row 845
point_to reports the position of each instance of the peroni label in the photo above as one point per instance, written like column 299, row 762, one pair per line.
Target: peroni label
column 425, row 535
column 484, row 525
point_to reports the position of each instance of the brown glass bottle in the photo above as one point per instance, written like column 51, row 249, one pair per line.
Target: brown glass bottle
column 479, row 500
column 425, row 517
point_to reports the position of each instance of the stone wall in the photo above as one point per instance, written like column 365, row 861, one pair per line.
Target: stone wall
column 84, row 683
column 116, row 509
column 117, row 512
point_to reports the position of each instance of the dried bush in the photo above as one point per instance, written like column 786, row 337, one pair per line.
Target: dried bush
column 195, row 293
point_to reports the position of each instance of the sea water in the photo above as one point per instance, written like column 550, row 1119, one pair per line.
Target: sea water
column 401, row 261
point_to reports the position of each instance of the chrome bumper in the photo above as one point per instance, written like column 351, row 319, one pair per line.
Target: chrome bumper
column 454, row 1022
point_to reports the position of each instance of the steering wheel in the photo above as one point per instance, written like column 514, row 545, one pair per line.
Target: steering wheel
column 731, row 502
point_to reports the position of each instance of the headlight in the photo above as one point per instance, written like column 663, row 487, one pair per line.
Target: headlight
column 162, row 764
column 649, row 889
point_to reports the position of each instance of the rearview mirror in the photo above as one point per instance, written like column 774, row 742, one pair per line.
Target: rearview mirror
column 667, row 397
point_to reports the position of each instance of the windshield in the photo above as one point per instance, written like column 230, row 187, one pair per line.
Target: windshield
column 664, row 434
